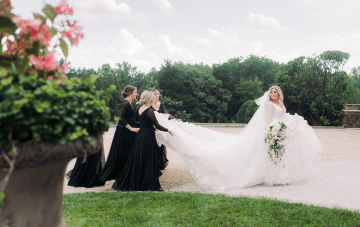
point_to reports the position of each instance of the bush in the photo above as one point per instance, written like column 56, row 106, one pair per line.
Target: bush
column 246, row 111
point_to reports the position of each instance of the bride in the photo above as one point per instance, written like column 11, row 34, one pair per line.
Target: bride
column 220, row 161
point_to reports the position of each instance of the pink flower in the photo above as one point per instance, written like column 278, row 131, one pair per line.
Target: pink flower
column 20, row 24
column 50, row 77
column 34, row 25
column 63, row 8
column 44, row 35
column 65, row 67
column 74, row 33
column 32, row 59
column 17, row 20
column 11, row 47
column 46, row 64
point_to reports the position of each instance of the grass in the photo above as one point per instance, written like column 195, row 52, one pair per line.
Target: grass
column 193, row 209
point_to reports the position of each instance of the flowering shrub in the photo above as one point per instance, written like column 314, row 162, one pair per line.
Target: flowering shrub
column 37, row 101
column 274, row 135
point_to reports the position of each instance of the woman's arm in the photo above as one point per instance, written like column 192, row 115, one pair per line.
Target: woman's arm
column 154, row 121
column 269, row 111
column 123, row 108
column 164, row 110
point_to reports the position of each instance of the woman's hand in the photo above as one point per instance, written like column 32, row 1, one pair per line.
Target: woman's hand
column 134, row 129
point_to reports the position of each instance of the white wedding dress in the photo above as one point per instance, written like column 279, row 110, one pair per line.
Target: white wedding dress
column 221, row 162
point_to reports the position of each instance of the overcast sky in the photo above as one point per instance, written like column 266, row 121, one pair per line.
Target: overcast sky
column 145, row 32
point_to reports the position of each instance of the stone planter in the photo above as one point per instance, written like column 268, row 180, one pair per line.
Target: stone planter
column 34, row 194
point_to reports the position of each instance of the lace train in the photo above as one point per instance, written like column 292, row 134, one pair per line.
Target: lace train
column 220, row 161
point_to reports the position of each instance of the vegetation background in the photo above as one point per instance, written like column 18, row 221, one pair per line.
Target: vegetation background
column 316, row 87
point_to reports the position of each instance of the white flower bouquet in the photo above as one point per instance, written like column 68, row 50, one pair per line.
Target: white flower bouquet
column 274, row 135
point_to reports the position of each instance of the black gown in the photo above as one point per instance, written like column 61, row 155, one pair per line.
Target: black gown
column 87, row 174
column 144, row 165
column 137, row 116
column 121, row 144
column 163, row 110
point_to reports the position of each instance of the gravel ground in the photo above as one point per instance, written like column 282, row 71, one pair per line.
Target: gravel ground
column 339, row 144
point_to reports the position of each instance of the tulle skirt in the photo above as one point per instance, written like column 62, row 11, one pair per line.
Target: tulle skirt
column 221, row 161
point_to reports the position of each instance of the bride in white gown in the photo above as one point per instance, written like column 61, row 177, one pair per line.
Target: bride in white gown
column 220, row 161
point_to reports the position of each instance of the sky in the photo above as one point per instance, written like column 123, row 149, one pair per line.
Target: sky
column 146, row 32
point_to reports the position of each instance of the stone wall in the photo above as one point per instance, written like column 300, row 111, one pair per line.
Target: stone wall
column 351, row 116
column 352, row 107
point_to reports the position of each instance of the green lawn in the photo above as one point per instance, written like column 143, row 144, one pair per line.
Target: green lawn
column 193, row 209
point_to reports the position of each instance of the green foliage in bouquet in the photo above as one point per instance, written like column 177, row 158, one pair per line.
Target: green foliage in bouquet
column 275, row 134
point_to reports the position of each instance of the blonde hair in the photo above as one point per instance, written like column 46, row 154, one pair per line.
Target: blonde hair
column 155, row 90
column 146, row 97
column 281, row 96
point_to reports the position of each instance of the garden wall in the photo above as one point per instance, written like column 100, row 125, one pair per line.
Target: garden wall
column 351, row 116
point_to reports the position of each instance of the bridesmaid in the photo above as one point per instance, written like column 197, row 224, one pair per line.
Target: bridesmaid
column 123, row 138
column 159, row 107
column 143, row 169
column 136, row 108
column 87, row 174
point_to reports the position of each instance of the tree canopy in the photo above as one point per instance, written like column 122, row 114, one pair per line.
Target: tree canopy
column 316, row 87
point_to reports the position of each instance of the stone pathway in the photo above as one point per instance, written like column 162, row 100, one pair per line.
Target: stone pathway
column 332, row 184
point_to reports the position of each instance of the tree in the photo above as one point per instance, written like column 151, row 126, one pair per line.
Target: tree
column 352, row 93
column 246, row 90
column 201, row 94
column 237, row 73
column 315, row 86
column 262, row 68
column 355, row 74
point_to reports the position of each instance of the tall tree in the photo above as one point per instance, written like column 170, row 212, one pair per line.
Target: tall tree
column 315, row 86
column 201, row 94
column 355, row 74
column 236, row 71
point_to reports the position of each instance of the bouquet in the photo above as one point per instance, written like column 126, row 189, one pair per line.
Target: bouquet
column 275, row 134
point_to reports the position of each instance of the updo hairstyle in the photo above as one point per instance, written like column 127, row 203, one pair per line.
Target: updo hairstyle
column 128, row 90
column 146, row 97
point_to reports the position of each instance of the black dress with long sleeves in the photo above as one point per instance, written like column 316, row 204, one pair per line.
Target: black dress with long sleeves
column 121, row 144
column 137, row 116
column 87, row 174
column 144, row 166
column 163, row 110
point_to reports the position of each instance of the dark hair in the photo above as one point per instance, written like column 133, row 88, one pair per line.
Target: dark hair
column 128, row 90
column 139, row 94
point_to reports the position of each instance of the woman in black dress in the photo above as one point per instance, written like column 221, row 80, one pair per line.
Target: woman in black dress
column 136, row 110
column 87, row 174
column 143, row 168
column 123, row 138
column 159, row 107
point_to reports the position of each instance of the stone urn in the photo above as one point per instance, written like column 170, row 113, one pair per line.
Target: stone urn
column 34, row 193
